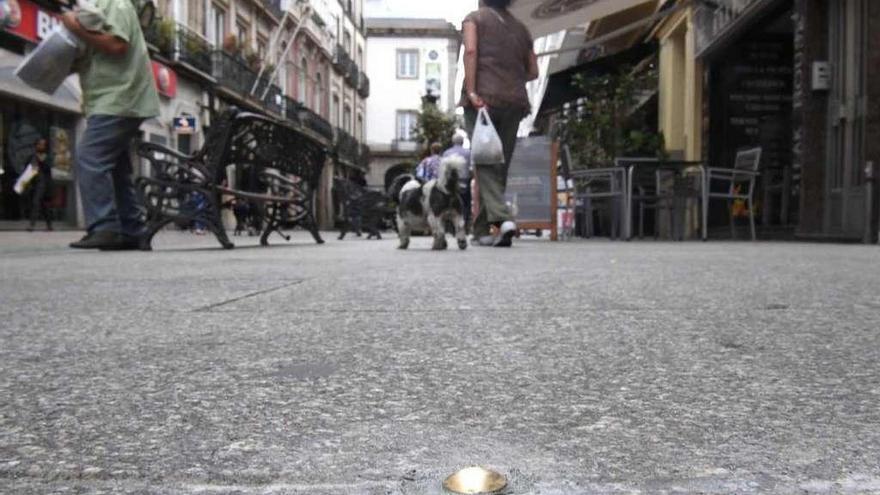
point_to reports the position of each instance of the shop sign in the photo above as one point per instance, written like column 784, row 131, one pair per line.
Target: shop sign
column 185, row 124
column 26, row 20
column 714, row 19
column 165, row 79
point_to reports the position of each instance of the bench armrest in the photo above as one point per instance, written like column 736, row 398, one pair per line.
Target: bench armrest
column 145, row 148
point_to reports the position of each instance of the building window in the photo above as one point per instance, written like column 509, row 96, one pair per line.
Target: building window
column 243, row 33
column 196, row 16
column 303, row 78
column 261, row 48
column 216, row 25
column 184, row 143
column 318, row 93
column 346, row 118
column 406, row 123
column 407, row 64
column 334, row 111
column 360, row 57
column 346, row 41
column 359, row 131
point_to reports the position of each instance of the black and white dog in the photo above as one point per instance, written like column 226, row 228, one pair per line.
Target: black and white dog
column 430, row 205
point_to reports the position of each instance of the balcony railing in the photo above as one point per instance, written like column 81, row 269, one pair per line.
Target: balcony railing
column 233, row 72
column 316, row 123
column 160, row 36
column 347, row 147
column 341, row 60
column 274, row 6
column 364, row 156
column 363, row 85
column 292, row 110
column 352, row 73
column 193, row 49
column 274, row 100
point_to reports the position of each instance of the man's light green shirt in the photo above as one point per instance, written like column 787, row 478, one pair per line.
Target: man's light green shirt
column 120, row 86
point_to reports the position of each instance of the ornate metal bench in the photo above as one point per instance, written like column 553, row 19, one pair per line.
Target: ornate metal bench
column 362, row 208
column 273, row 167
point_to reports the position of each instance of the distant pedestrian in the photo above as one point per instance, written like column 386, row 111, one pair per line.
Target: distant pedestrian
column 118, row 94
column 458, row 149
column 429, row 168
column 40, row 187
column 499, row 59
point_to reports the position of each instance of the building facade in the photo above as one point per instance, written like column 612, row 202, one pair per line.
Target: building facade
column 209, row 55
column 27, row 114
column 790, row 76
column 410, row 59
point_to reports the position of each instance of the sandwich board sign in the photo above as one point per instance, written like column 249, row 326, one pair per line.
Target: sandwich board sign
column 531, row 184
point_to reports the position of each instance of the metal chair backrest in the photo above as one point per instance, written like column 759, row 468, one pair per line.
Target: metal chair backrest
column 748, row 159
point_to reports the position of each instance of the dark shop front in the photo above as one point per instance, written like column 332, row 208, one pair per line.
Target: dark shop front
column 792, row 77
column 27, row 115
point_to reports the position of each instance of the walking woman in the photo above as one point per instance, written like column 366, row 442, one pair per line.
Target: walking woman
column 499, row 59
column 41, row 185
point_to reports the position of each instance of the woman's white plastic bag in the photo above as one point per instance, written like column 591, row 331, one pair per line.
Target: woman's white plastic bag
column 486, row 148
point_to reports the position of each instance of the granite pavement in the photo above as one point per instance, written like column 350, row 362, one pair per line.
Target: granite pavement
column 586, row 367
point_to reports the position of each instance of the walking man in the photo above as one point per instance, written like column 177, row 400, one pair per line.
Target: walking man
column 118, row 95
column 429, row 168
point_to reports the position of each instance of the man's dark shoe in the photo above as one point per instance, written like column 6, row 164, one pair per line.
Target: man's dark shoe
column 90, row 240
column 108, row 241
column 122, row 242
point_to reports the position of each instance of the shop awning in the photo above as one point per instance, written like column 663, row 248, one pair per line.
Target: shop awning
column 544, row 17
column 66, row 99
column 561, row 88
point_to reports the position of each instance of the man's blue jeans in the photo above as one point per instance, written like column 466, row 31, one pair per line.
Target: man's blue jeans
column 103, row 173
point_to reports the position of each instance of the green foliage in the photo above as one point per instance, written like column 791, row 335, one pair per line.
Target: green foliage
column 165, row 30
column 434, row 126
column 604, row 125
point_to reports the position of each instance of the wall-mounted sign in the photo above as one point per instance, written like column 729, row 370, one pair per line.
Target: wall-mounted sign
column 713, row 20
column 433, row 73
column 185, row 124
column 26, row 20
column 165, row 79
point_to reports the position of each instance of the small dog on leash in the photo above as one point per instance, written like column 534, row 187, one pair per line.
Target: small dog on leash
column 430, row 205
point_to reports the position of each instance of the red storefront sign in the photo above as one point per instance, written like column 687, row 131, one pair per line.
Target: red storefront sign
column 27, row 20
column 165, row 79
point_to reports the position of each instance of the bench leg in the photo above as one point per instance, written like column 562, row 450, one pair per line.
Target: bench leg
column 273, row 224
column 222, row 238
column 152, row 228
column 214, row 220
column 312, row 227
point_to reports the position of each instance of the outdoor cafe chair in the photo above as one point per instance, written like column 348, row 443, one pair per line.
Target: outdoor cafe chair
column 598, row 184
column 739, row 184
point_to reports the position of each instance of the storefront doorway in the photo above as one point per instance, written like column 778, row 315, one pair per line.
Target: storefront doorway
column 846, row 214
column 750, row 105
column 21, row 125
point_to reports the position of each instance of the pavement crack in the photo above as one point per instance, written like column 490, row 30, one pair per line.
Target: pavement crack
column 210, row 307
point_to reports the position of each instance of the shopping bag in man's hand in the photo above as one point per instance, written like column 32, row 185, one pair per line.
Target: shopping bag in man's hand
column 24, row 179
column 486, row 146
